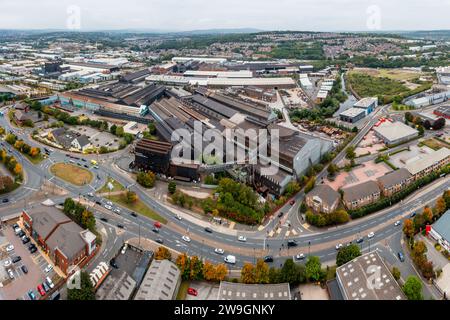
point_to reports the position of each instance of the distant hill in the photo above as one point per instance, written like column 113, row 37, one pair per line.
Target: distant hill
column 425, row 34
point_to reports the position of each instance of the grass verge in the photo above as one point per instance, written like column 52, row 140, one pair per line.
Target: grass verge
column 116, row 186
column 71, row 173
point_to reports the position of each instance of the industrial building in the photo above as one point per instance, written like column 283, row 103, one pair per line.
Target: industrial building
column 357, row 282
column 443, row 111
column 352, row 115
column 443, row 75
column 369, row 104
column 241, row 291
column 440, row 230
column 428, row 163
column 429, row 100
column 394, row 132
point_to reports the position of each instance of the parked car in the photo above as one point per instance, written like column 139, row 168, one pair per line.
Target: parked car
column 107, row 206
column 5, row 200
column 292, row 243
column 192, row 292
column 299, row 256
column 292, row 202
column 90, row 194
column 219, row 251
column 371, row 235
column 48, row 268
column 117, row 210
column 113, row 264
column 109, row 203
column 25, row 240
column 16, row 259
column 401, row 257
column 31, row 246
column 45, row 286
column 31, row 295
column 17, row 231
column 209, row 230
column 21, row 233
column 15, row 226
column 124, row 248
column 11, row 274
column 133, row 214
column 41, row 290
column 242, row 238
column 186, row 238
column 280, row 214
column 268, row 259
column 33, row 250
column 49, row 282
column 9, row 248
column 121, row 226
column 24, row 268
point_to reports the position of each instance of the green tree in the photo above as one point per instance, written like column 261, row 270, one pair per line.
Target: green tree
column 172, row 187
column 396, row 273
column 413, row 288
column 86, row 290
column 261, row 272
column 347, row 254
column 313, row 268
column 350, row 153
column 146, row 179
column 131, row 196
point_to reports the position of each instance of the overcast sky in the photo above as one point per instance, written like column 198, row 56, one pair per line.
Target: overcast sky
column 178, row 15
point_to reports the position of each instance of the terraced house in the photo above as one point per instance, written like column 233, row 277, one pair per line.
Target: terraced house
column 361, row 195
column 394, row 181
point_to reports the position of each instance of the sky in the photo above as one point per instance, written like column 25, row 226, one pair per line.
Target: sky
column 185, row 15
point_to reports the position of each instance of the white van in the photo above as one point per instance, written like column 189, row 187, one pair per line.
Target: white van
column 230, row 259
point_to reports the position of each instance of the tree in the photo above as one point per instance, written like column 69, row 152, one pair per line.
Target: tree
column 131, row 197
column 428, row 214
column 172, row 187
column 34, row 152
column 17, row 169
column 88, row 220
column 350, row 153
column 440, row 206
column 313, row 268
column 421, row 130
column 396, row 273
column 310, row 184
column 408, row 228
column 413, row 288
column 86, row 290
column 332, row 169
column 221, row 272
column 261, row 272
column 146, row 179
column 119, row 131
column 248, row 273
column 196, row 269
column 209, row 271
column 183, row 264
column 290, row 272
column 446, row 197
column 112, row 129
column 163, row 254
column 347, row 254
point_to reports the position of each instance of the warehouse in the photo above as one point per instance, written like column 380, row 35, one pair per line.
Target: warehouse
column 394, row 132
column 443, row 111
column 268, row 83
column 368, row 104
column 352, row 115
column 219, row 74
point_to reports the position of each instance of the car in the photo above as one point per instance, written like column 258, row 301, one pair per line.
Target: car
column 359, row 240
column 113, row 264
column 292, row 202
column 299, row 256
column 155, row 230
column 370, row 235
column 413, row 214
column 5, row 200
column 48, row 268
column 338, row 246
column 133, row 214
column 25, row 240
column 124, row 248
column 98, row 202
column 280, row 214
column 292, row 243
column 15, row 226
column 107, row 206
column 16, row 259
column 41, row 290
column 121, row 226
column 192, row 292
column 9, row 248
column 117, row 210
column 49, row 282
column 33, row 250
column 11, row 274
column 219, row 251
column 109, row 203
column 397, row 223
column 230, row 259
column 159, row 240
column 31, row 246
column 21, row 233
column 242, row 238
column 17, row 230
column 268, row 259
column 401, row 257
column 86, row 166
column 209, row 230
column 31, row 295
column 104, row 219
column 186, row 238
column 24, row 268
column 90, row 194
column 84, row 160
column 45, row 286
column 157, row 224
column 178, row 217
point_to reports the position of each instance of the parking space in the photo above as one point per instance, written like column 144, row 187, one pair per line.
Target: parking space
column 22, row 276
column 98, row 138
column 204, row 290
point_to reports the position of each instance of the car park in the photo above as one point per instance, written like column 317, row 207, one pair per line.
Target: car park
column 292, row 243
column 268, row 259
column 219, row 251
column 371, row 235
column 242, row 238
column 186, row 238
column 48, row 268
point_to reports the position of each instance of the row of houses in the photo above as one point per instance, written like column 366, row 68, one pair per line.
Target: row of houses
column 324, row 199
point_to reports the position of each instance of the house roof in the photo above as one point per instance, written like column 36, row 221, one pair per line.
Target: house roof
column 83, row 140
column 442, row 226
column 395, row 177
column 427, row 160
column 360, row 191
column 45, row 219
column 67, row 239
column 327, row 194
column 241, row 291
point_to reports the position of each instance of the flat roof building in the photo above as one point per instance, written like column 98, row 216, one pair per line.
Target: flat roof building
column 394, row 132
column 241, row 291
column 368, row 104
column 440, row 230
column 429, row 163
column 368, row 278
column 352, row 115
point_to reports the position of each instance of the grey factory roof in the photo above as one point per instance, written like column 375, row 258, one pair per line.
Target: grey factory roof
column 360, row 191
column 327, row 194
column 395, row 177
column 427, row 161
column 368, row 278
column 365, row 102
column 214, row 106
column 395, row 130
column 240, row 291
column 352, row 112
column 160, row 282
column 116, row 287
column 442, row 226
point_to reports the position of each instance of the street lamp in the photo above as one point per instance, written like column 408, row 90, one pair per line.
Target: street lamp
column 309, row 248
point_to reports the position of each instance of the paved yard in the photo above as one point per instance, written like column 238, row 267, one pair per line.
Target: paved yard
column 370, row 143
column 313, row 292
column 206, row 290
column 97, row 137
column 402, row 158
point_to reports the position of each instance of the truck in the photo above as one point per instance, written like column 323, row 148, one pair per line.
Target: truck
column 230, row 259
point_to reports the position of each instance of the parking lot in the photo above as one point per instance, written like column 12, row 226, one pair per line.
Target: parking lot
column 35, row 263
column 98, row 138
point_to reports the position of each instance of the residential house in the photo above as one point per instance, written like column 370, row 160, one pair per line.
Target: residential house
column 323, row 198
column 394, row 181
column 361, row 195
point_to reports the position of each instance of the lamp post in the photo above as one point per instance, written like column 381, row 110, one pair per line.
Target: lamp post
column 309, row 248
